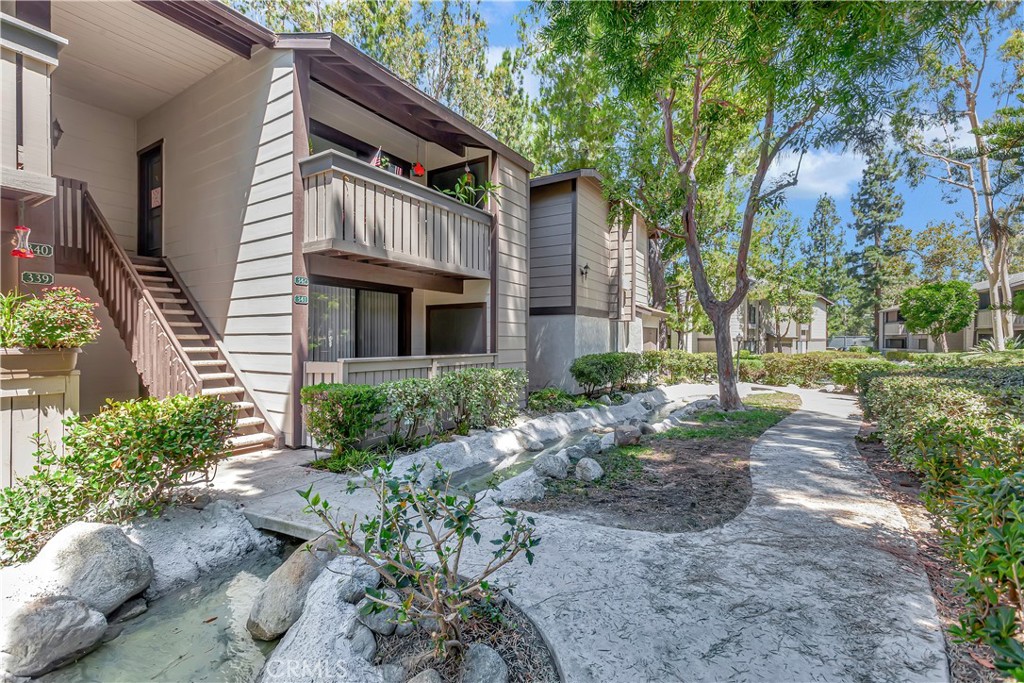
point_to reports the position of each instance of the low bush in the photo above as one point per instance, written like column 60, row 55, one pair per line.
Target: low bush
column 681, row 366
column 861, row 349
column 59, row 319
column 481, row 397
column 596, row 371
column 962, row 429
column 555, row 400
column 122, row 461
column 848, row 372
column 803, row 369
column 340, row 416
column 752, row 370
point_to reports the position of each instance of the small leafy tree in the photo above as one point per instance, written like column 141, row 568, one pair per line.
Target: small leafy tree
column 938, row 308
column 415, row 543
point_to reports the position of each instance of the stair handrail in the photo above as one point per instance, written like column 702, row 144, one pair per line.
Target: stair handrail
column 126, row 265
column 219, row 342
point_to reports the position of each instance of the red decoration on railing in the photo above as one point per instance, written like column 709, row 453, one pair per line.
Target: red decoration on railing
column 418, row 170
column 20, row 242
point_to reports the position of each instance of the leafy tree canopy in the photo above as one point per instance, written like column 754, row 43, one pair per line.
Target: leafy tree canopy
column 939, row 307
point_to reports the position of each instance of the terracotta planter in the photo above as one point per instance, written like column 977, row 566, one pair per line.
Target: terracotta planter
column 35, row 362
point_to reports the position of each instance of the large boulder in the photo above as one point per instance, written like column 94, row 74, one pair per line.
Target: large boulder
column 527, row 487
column 554, row 465
column 313, row 648
column 280, row 603
column 95, row 563
column 588, row 469
column 627, row 435
column 608, row 442
column 41, row 634
column 590, row 444
column 574, row 453
column 482, row 664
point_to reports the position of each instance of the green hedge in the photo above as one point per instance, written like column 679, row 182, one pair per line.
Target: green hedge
column 962, row 429
column 340, row 416
column 125, row 459
column 681, row 366
column 803, row 369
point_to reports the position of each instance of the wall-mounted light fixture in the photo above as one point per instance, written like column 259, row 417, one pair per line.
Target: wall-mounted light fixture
column 584, row 271
column 56, row 132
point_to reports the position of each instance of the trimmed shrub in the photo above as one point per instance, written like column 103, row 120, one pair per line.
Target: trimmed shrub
column 481, row 397
column 339, row 416
column 551, row 400
column 802, row 369
column 413, row 404
column 597, row 371
column 861, row 349
column 681, row 366
column 847, row 372
column 59, row 319
column 122, row 461
column 649, row 370
column 752, row 370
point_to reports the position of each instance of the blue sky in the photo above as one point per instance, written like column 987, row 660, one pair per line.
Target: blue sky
column 822, row 171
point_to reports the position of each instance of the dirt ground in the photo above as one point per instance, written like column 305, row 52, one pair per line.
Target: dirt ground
column 968, row 663
column 511, row 634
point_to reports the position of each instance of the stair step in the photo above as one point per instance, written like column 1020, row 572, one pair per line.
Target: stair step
column 185, row 324
column 222, row 391
column 184, row 311
column 171, row 301
column 244, row 422
column 208, row 363
column 213, row 376
column 243, row 405
column 250, row 440
column 146, row 268
column 155, row 278
column 168, row 290
column 193, row 337
column 199, row 349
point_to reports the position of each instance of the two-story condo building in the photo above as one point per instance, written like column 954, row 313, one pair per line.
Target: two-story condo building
column 254, row 211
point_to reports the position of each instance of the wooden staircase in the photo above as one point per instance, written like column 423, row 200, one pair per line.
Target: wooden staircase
column 204, row 353
column 174, row 346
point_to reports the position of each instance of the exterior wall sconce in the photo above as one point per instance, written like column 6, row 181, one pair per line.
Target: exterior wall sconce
column 584, row 271
column 56, row 132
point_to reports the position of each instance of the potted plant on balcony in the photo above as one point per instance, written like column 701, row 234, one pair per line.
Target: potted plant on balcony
column 44, row 335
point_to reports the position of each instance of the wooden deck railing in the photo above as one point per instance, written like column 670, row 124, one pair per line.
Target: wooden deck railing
column 375, row 371
column 84, row 241
column 353, row 208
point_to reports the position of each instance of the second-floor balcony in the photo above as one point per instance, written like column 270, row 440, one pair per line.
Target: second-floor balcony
column 365, row 213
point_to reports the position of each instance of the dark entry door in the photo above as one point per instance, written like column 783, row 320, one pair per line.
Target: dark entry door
column 151, row 201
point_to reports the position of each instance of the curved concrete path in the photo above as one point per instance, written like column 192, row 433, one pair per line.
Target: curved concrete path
column 812, row 582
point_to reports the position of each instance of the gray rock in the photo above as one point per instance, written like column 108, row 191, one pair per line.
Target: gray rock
column 404, row 628
column 128, row 610
column 391, row 673
column 588, row 469
column 590, row 444
column 95, row 563
column 483, row 665
column 364, row 643
column 494, row 428
column 112, row 632
column 355, row 576
column 646, row 405
column 186, row 544
column 382, row 622
column 201, row 501
column 627, row 435
column 574, row 453
column 527, row 486
column 645, row 428
column 43, row 633
column 555, row 465
column 608, row 442
column 534, row 446
column 311, row 642
column 605, row 400
column 427, row 676
column 280, row 602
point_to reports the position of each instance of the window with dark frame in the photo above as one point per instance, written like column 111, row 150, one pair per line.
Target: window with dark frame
column 456, row 328
column 347, row 320
column 442, row 179
column 346, row 144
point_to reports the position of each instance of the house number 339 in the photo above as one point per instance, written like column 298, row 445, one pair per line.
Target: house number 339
column 33, row 278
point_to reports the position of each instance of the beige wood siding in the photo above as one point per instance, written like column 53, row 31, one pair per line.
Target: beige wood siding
column 551, row 269
column 593, row 247
column 643, row 292
column 228, row 212
column 99, row 147
column 512, row 263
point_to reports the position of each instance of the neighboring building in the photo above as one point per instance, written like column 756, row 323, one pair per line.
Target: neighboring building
column 589, row 291
column 750, row 330
column 209, row 182
column 893, row 334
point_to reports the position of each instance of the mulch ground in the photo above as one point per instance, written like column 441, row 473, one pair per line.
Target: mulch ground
column 968, row 663
column 509, row 632
column 676, row 485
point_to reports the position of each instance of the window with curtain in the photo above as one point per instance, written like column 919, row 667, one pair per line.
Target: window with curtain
column 345, row 322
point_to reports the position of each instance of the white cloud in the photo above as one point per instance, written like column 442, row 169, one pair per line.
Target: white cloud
column 821, row 171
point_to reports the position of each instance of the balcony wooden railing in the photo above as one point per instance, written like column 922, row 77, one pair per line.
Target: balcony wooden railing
column 375, row 371
column 85, row 242
column 360, row 211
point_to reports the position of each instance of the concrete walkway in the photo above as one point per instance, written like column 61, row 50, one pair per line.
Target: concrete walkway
column 812, row 582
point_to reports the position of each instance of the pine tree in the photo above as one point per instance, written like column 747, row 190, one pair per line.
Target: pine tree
column 877, row 208
column 826, row 262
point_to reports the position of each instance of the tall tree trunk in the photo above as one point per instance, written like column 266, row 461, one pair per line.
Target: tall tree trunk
column 942, row 342
column 728, row 393
column 659, row 288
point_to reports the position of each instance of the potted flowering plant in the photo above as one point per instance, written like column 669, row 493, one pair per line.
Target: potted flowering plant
column 44, row 334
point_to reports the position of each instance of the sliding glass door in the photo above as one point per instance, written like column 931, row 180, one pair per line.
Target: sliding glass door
column 350, row 322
